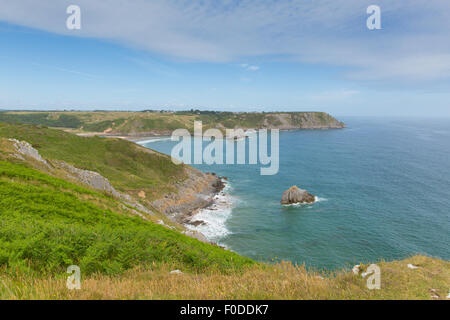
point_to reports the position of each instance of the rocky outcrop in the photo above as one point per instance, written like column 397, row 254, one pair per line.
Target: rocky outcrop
column 196, row 235
column 301, row 120
column 98, row 182
column 295, row 195
column 194, row 193
column 90, row 178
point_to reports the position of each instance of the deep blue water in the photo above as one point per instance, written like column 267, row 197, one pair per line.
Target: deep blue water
column 384, row 185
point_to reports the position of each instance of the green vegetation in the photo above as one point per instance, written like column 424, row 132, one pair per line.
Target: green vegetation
column 102, row 125
column 151, row 122
column 129, row 167
column 48, row 224
column 48, row 119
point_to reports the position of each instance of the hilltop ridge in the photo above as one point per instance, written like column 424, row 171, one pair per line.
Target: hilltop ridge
column 153, row 123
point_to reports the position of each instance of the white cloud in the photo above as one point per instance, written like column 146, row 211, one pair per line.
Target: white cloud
column 413, row 44
column 248, row 67
column 253, row 68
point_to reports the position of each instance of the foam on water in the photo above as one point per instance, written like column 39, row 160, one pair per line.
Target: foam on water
column 316, row 199
column 215, row 216
column 143, row 142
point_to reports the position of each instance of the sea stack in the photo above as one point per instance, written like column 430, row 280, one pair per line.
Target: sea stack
column 295, row 195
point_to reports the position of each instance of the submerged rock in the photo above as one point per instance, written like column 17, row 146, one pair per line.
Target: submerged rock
column 295, row 195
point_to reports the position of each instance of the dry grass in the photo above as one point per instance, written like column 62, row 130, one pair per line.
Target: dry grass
column 283, row 281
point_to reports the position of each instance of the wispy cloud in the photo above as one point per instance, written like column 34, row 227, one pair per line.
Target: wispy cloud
column 84, row 74
column 413, row 44
column 248, row 67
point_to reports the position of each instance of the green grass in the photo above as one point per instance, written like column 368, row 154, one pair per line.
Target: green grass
column 47, row 119
column 128, row 166
column 47, row 224
column 102, row 125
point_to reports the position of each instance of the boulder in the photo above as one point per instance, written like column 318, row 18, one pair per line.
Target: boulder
column 176, row 272
column 295, row 195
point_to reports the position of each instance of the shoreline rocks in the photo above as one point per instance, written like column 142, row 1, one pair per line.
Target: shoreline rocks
column 195, row 193
column 295, row 195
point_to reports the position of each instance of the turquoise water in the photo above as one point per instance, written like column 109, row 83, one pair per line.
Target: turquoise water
column 383, row 185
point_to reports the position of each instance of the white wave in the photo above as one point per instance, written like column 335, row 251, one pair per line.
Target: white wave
column 215, row 216
column 142, row 142
column 316, row 199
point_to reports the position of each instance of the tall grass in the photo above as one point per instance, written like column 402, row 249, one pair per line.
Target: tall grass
column 282, row 281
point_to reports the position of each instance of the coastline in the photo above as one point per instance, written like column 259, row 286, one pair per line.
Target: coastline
column 198, row 214
column 197, row 192
column 146, row 137
column 201, row 204
column 210, row 221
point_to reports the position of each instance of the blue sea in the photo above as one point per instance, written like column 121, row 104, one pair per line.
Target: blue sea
column 383, row 188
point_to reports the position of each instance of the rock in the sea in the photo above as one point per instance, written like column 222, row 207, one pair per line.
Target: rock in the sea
column 295, row 195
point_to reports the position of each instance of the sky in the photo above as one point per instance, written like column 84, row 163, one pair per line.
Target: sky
column 228, row 55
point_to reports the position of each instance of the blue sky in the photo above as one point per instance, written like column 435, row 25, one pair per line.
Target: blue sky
column 227, row 55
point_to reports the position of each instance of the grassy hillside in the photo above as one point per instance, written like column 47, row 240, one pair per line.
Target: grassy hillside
column 147, row 123
column 48, row 224
column 129, row 167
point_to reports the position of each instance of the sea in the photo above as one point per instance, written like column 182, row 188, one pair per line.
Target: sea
column 382, row 187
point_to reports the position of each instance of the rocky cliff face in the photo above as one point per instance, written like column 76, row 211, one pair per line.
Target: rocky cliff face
column 195, row 193
column 301, row 120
